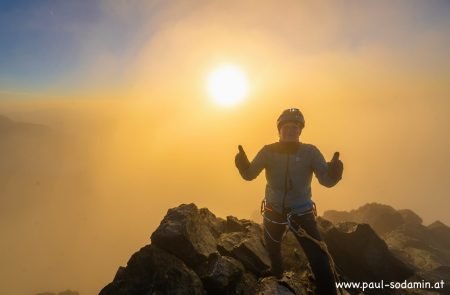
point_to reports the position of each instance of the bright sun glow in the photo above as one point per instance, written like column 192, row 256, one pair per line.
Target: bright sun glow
column 227, row 85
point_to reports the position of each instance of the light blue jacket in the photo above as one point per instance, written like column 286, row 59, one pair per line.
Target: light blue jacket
column 289, row 168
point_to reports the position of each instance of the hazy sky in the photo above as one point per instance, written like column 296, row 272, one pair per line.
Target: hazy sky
column 123, row 84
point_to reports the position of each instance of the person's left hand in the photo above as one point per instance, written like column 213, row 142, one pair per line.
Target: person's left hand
column 335, row 167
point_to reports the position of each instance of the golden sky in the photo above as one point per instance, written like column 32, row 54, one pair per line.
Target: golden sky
column 123, row 82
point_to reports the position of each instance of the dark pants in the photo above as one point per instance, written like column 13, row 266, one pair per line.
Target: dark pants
column 318, row 259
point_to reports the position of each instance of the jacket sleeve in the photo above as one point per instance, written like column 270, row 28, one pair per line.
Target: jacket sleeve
column 256, row 165
column 320, row 169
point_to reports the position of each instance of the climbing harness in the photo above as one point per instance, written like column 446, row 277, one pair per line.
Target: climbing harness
column 265, row 207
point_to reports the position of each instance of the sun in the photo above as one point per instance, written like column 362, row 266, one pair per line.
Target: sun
column 227, row 85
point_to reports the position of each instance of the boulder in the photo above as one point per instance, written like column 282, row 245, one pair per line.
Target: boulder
column 235, row 225
column 154, row 271
column 246, row 247
column 220, row 273
column 188, row 233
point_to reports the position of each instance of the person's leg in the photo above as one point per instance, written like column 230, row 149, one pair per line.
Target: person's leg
column 318, row 259
column 273, row 233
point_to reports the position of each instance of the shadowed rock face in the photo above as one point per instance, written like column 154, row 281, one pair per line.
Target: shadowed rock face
column 194, row 252
column 154, row 270
column 362, row 255
column 247, row 247
column 425, row 248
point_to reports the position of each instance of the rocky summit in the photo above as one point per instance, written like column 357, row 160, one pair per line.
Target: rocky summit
column 194, row 252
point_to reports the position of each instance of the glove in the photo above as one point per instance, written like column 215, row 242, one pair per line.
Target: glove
column 335, row 167
column 241, row 160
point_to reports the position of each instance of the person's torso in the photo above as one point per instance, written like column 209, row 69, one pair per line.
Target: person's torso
column 289, row 174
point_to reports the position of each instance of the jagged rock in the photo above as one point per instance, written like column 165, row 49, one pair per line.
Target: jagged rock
column 233, row 224
column 226, row 275
column 362, row 255
column 154, row 271
column 188, row 233
column 220, row 273
column 247, row 247
column 216, row 225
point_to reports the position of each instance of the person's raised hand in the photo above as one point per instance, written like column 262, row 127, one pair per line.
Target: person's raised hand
column 335, row 167
column 241, row 160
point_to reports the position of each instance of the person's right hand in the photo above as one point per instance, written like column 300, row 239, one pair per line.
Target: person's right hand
column 241, row 161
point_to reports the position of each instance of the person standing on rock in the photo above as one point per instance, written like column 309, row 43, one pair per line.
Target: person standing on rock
column 289, row 165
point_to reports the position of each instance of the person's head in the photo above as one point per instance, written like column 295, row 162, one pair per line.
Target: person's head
column 290, row 125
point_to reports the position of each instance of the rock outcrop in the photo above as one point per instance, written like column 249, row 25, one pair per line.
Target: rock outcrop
column 156, row 270
column 382, row 218
column 195, row 252
column 424, row 248
column 362, row 255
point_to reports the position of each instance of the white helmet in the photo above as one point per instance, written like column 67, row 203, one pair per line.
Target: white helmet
column 291, row 115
